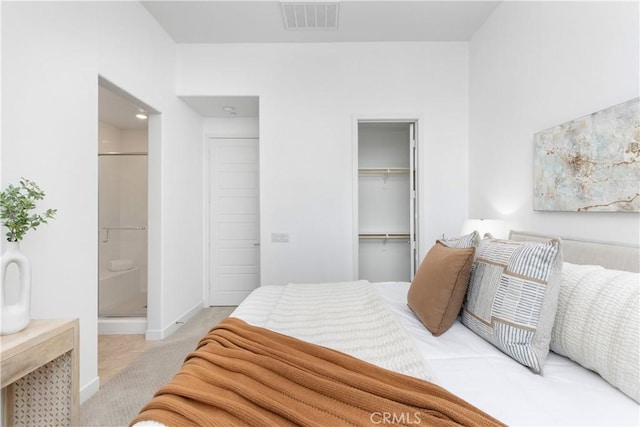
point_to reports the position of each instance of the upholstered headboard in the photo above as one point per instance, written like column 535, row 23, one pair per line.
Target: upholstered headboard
column 615, row 256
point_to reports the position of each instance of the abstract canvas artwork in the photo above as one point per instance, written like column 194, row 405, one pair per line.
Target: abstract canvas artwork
column 591, row 163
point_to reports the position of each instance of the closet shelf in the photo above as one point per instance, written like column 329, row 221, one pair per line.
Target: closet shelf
column 383, row 171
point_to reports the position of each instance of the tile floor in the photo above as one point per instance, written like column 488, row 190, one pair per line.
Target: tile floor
column 135, row 305
column 116, row 352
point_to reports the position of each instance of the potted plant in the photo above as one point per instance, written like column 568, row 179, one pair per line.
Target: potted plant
column 16, row 204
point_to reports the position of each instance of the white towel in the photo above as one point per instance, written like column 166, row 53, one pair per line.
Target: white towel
column 120, row 264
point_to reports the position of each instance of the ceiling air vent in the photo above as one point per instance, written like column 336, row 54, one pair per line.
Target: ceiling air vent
column 310, row 15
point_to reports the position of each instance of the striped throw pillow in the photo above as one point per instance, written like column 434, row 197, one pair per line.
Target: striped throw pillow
column 513, row 296
column 470, row 240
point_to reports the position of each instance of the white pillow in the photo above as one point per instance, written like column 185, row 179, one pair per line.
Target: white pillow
column 598, row 323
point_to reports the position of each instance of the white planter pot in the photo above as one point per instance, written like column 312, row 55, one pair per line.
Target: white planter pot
column 15, row 317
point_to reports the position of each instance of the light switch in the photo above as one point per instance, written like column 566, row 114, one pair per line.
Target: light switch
column 280, row 237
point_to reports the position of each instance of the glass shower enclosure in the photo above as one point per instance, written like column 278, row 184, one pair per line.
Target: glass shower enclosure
column 122, row 266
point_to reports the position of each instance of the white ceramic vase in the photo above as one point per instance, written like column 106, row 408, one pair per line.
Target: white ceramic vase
column 15, row 317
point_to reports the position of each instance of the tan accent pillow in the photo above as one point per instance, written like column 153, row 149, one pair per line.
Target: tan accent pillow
column 439, row 286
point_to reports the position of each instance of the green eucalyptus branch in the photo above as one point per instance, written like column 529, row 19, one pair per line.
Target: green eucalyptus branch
column 16, row 202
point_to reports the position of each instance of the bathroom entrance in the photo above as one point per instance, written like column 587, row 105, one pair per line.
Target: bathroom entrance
column 122, row 200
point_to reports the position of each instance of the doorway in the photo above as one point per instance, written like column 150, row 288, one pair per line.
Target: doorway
column 234, row 219
column 123, row 179
column 385, row 200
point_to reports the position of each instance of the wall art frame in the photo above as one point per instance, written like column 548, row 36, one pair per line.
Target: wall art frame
column 590, row 164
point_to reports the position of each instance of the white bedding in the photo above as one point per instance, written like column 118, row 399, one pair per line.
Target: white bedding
column 463, row 363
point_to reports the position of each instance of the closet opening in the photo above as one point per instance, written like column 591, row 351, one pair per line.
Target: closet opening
column 386, row 201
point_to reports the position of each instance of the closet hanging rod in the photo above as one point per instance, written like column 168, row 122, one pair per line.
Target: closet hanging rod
column 123, row 153
column 384, row 236
column 125, row 228
column 383, row 170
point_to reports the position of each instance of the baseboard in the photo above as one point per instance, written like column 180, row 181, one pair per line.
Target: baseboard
column 89, row 389
column 160, row 334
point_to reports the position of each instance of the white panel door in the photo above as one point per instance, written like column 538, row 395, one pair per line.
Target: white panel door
column 234, row 219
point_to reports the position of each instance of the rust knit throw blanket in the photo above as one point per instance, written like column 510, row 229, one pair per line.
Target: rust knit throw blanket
column 248, row 376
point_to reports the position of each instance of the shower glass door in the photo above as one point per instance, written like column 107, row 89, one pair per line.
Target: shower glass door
column 122, row 288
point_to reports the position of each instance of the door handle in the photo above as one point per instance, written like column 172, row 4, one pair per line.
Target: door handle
column 256, row 244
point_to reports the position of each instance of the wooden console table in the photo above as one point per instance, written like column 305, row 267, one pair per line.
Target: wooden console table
column 39, row 374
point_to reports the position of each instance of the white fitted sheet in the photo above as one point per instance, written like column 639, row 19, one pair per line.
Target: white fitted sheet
column 463, row 363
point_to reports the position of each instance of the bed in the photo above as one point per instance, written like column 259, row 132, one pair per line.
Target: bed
column 472, row 373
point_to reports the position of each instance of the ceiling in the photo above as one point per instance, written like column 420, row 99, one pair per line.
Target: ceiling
column 116, row 110
column 244, row 21
column 262, row 21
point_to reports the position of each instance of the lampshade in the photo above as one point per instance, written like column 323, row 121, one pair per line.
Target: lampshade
column 497, row 228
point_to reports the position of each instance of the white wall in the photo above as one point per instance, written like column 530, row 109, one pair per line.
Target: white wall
column 52, row 54
column 309, row 96
column 534, row 65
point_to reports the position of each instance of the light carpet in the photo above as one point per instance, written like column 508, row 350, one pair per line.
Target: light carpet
column 120, row 399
